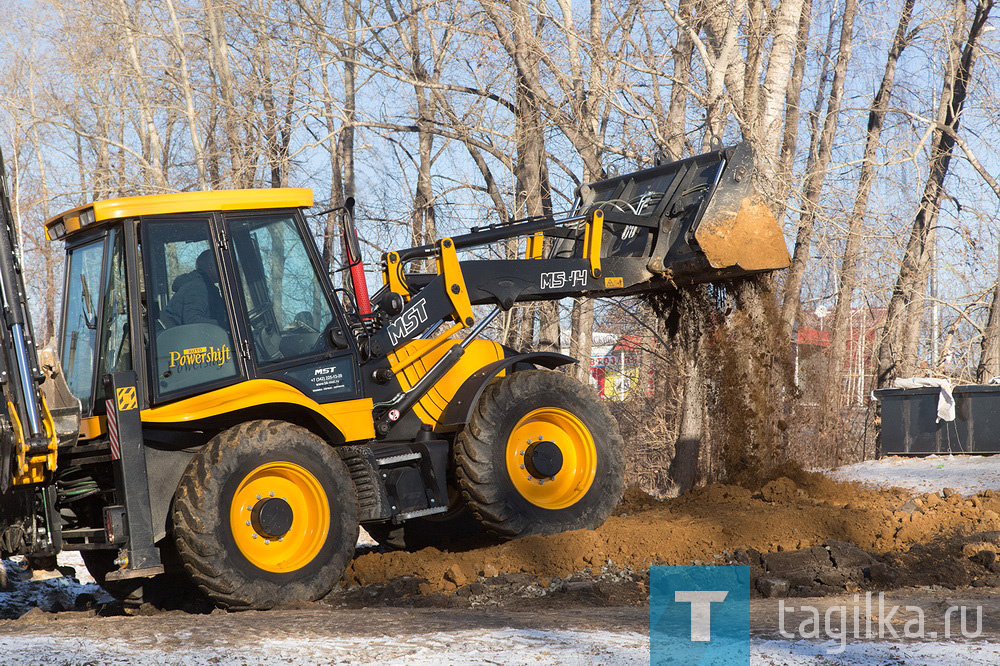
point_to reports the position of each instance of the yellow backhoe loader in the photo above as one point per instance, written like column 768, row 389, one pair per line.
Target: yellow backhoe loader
column 215, row 417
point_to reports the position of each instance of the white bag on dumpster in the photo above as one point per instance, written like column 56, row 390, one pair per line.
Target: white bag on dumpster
column 946, row 401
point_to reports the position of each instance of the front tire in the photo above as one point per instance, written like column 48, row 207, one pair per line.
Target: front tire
column 542, row 454
column 265, row 514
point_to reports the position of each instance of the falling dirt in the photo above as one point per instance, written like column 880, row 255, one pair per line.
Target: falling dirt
column 914, row 538
column 751, row 239
column 735, row 380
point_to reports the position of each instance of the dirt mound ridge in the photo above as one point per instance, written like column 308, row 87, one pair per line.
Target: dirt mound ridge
column 707, row 526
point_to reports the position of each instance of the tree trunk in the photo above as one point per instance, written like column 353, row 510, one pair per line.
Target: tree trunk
column 793, row 98
column 675, row 127
column 148, row 131
column 188, row 91
column 768, row 138
column 989, row 351
column 840, row 331
column 581, row 338
column 816, row 176
column 723, row 30
column 691, row 431
column 220, row 49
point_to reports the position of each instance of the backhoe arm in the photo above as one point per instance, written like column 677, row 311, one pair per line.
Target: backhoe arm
column 28, row 441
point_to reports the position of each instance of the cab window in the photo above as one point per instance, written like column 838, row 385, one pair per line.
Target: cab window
column 189, row 325
column 79, row 333
column 116, row 349
column 287, row 307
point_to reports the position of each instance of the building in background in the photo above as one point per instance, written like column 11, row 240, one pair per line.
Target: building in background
column 621, row 367
column 813, row 337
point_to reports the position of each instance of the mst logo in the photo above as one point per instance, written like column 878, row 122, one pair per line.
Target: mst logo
column 559, row 279
column 408, row 322
column 199, row 357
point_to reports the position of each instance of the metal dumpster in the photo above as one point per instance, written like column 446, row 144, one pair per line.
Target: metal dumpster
column 910, row 425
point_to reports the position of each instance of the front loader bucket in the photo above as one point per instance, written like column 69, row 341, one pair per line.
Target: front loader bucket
column 694, row 220
column 62, row 405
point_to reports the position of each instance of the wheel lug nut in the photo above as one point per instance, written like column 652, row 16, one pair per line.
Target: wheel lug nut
column 522, row 466
column 267, row 542
column 281, row 538
column 272, row 493
column 248, row 523
column 258, row 497
column 253, row 536
column 249, row 507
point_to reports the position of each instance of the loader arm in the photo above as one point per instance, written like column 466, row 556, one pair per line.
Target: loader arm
column 695, row 220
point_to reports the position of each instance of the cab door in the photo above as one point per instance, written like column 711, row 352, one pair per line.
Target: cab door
column 297, row 331
column 189, row 318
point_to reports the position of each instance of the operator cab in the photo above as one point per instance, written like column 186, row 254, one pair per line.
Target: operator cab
column 226, row 286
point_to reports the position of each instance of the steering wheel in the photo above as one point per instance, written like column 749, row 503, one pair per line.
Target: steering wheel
column 259, row 314
column 264, row 329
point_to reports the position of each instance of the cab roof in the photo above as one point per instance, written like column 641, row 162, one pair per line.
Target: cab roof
column 99, row 213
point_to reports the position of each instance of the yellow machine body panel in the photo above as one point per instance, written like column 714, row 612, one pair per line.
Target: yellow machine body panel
column 478, row 354
column 34, row 468
column 93, row 427
column 93, row 215
column 353, row 418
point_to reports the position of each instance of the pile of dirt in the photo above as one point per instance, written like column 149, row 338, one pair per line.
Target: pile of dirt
column 912, row 540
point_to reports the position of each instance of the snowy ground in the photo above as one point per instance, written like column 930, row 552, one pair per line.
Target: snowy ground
column 780, row 653
column 967, row 475
column 503, row 646
column 49, row 591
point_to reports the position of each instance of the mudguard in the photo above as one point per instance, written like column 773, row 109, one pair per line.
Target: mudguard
column 459, row 410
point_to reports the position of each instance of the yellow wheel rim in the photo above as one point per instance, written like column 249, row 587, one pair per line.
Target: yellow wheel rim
column 310, row 523
column 579, row 458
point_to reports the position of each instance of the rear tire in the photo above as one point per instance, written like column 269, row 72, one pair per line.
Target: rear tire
column 499, row 474
column 246, row 556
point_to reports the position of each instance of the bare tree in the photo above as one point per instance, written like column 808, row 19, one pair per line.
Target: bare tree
column 893, row 359
column 817, row 174
column 849, row 267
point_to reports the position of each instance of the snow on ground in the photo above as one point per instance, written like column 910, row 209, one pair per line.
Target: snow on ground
column 504, row 646
column 498, row 646
column 782, row 653
column 967, row 475
column 51, row 592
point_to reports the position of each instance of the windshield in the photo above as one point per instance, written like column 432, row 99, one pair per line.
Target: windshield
column 79, row 332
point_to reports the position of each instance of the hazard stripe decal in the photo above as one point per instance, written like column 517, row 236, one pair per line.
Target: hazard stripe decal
column 116, row 452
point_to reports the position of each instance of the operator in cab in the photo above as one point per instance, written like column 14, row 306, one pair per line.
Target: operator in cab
column 196, row 298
